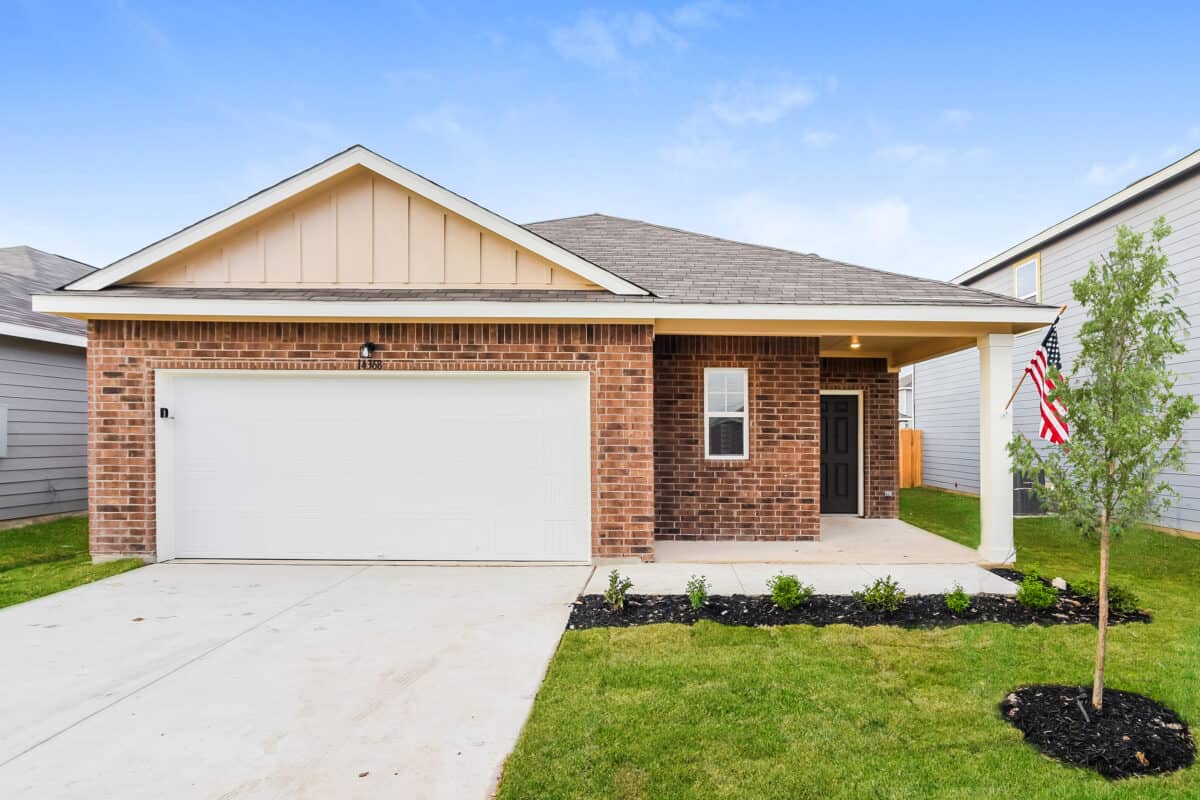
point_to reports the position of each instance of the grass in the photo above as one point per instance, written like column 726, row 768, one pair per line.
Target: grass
column 42, row 559
column 671, row 712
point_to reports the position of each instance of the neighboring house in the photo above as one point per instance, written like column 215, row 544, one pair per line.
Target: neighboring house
column 906, row 398
column 43, row 391
column 1042, row 268
column 357, row 363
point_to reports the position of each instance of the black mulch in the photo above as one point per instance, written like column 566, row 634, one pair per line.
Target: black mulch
column 1132, row 735
column 917, row 611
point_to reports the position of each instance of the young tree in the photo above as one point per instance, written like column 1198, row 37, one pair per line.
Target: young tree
column 1126, row 419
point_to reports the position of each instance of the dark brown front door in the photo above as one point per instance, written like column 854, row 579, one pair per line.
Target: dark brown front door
column 839, row 454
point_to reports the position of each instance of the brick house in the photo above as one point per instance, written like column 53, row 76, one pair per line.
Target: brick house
column 359, row 364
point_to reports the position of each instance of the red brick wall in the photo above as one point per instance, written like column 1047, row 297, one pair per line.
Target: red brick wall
column 774, row 494
column 881, row 436
column 123, row 355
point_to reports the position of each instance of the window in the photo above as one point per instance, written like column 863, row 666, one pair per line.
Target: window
column 726, row 426
column 1027, row 279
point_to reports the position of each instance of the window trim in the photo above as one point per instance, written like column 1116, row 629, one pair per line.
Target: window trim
column 744, row 414
column 1036, row 261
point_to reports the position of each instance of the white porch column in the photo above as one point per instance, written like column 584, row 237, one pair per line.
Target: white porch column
column 995, row 467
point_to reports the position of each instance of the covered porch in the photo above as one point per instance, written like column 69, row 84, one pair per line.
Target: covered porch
column 773, row 503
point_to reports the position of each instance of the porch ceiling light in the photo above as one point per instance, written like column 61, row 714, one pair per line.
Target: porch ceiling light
column 855, row 343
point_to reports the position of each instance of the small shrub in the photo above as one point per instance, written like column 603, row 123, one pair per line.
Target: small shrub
column 788, row 592
column 1034, row 594
column 1119, row 598
column 884, row 595
column 958, row 601
column 697, row 591
column 618, row 587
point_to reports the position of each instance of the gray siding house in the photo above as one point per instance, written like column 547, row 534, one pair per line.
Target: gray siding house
column 946, row 389
column 43, row 391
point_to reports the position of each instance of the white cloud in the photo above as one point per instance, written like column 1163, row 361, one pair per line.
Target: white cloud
column 1108, row 174
column 590, row 41
column 888, row 220
column 856, row 231
column 753, row 103
column 644, row 30
column 920, row 154
column 608, row 41
column 880, row 232
column 703, row 154
column 704, row 13
column 817, row 138
column 923, row 155
column 956, row 118
column 442, row 120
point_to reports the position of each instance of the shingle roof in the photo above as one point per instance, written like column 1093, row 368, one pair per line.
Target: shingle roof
column 685, row 267
column 676, row 266
column 25, row 271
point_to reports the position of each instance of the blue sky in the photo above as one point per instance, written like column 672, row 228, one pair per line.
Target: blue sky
column 917, row 137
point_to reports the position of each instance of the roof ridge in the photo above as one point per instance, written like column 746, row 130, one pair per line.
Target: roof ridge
column 772, row 248
column 32, row 249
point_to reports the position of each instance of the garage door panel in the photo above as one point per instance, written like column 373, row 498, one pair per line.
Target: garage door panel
column 396, row 466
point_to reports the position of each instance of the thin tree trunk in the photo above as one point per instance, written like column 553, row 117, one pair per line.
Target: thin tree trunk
column 1102, row 622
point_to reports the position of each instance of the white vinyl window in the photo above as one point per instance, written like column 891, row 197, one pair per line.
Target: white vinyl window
column 1026, row 279
column 726, row 420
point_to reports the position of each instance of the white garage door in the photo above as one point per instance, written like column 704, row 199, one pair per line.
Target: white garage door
column 398, row 465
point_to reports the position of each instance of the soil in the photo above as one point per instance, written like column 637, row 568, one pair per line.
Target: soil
column 1132, row 735
column 917, row 611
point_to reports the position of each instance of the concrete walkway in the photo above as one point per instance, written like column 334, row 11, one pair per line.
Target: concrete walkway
column 852, row 552
column 279, row 681
column 844, row 540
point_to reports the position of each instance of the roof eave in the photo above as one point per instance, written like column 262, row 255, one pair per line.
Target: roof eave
column 88, row 305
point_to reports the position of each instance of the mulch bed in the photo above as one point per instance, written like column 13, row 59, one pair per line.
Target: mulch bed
column 1132, row 735
column 917, row 611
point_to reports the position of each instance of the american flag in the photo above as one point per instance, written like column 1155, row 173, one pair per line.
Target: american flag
column 1054, row 425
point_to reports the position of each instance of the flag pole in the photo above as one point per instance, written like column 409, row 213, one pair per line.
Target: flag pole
column 1062, row 309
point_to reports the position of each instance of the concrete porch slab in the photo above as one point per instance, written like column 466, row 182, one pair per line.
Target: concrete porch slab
column 844, row 540
column 671, row 578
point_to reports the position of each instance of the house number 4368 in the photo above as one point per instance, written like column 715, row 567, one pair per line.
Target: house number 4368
column 370, row 363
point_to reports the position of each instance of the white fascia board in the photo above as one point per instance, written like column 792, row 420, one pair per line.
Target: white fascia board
column 92, row 304
column 355, row 156
column 42, row 335
column 1122, row 197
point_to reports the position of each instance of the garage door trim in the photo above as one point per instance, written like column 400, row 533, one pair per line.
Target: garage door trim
column 165, row 437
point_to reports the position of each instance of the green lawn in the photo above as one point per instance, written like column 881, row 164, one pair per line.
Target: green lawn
column 668, row 711
column 48, row 557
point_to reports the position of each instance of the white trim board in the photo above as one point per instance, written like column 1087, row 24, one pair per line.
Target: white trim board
column 42, row 335
column 744, row 414
column 862, row 464
column 356, row 156
column 95, row 304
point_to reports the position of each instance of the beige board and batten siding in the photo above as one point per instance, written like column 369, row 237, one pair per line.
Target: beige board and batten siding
column 361, row 231
column 43, row 386
column 946, row 389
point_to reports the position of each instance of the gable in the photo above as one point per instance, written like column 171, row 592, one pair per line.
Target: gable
column 362, row 230
column 357, row 220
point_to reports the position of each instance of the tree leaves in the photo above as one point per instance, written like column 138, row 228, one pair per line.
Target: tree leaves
column 1126, row 419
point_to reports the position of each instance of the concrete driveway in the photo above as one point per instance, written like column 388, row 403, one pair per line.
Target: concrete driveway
column 288, row 681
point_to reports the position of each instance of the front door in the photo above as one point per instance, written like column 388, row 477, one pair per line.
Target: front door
column 839, row 454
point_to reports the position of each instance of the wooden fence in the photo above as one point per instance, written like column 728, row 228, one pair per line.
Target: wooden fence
column 910, row 458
